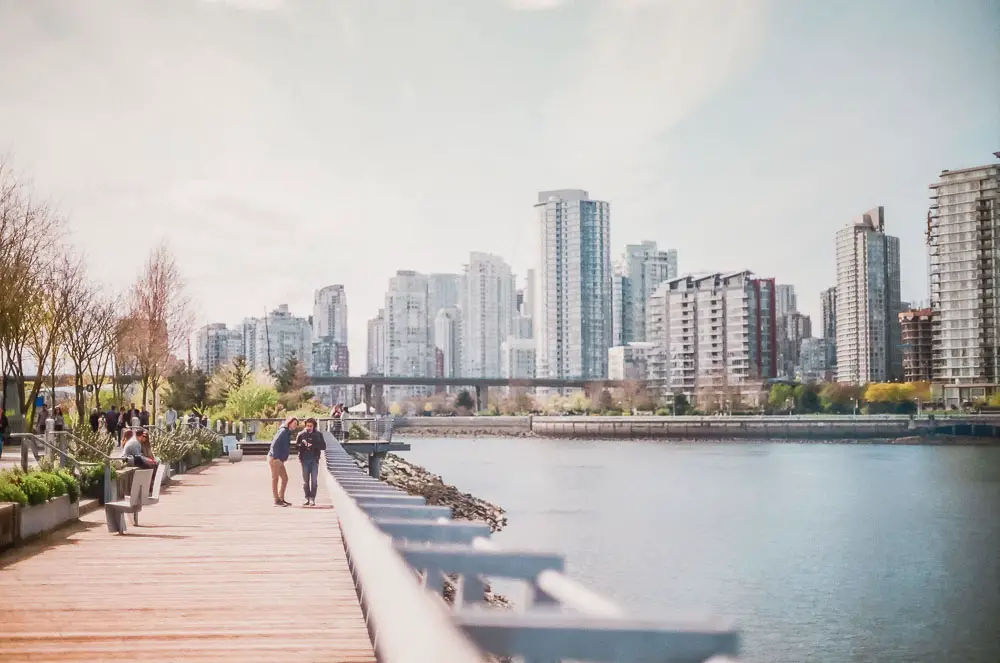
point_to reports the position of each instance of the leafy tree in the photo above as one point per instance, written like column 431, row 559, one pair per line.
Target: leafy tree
column 807, row 398
column 228, row 378
column 252, row 400
column 292, row 375
column 188, row 388
column 839, row 398
column 780, row 397
column 464, row 401
column 681, row 404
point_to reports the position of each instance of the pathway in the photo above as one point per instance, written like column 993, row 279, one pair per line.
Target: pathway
column 215, row 572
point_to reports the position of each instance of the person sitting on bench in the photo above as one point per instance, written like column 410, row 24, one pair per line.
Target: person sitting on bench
column 140, row 450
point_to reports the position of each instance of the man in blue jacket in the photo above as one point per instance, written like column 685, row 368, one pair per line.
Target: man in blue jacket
column 281, row 447
column 311, row 444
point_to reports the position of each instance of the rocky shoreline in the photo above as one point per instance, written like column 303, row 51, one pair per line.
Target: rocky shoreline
column 416, row 480
column 434, row 431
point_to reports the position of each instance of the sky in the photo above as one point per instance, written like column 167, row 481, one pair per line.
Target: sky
column 280, row 146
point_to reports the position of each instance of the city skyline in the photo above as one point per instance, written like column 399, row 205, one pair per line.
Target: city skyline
column 740, row 134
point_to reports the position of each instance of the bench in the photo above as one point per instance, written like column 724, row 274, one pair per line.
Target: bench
column 114, row 512
column 154, row 498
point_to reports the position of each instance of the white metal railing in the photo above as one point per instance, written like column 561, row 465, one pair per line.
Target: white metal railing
column 408, row 621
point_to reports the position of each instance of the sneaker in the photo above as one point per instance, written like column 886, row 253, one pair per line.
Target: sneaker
column 306, row 503
column 312, row 502
column 278, row 503
column 285, row 503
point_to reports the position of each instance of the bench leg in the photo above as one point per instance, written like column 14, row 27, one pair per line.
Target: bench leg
column 109, row 516
column 135, row 517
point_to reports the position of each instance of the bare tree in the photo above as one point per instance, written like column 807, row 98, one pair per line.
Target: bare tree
column 161, row 316
column 53, row 306
column 106, row 322
column 29, row 232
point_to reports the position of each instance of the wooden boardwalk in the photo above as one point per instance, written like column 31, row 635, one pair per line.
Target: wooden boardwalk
column 215, row 572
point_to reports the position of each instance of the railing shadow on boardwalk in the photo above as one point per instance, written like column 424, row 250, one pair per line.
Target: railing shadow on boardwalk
column 401, row 551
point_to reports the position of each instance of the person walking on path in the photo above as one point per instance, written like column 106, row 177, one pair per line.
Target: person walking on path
column 310, row 444
column 281, row 447
column 95, row 420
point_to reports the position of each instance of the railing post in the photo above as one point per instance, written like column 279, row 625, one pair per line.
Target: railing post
column 375, row 464
column 108, row 497
column 25, row 441
column 50, row 438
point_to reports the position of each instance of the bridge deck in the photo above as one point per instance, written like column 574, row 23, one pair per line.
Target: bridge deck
column 215, row 572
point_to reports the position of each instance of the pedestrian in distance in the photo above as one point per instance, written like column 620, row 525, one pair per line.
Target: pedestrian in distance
column 281, row 447
column 310, row 444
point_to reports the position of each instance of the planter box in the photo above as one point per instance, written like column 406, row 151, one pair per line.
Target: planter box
column 48, row 516
column 10, row 528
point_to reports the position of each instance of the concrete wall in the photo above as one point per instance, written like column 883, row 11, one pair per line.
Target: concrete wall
column 48, row 516
column 753, row 427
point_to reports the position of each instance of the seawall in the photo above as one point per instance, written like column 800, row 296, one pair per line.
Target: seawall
column 983, row 428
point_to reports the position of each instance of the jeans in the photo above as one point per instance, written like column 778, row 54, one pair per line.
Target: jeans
column 310, row 477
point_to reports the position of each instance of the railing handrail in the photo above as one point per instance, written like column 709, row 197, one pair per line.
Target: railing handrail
column 405, row 622
column 436, row 547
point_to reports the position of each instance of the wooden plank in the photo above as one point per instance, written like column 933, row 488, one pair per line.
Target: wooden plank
column 215, row 572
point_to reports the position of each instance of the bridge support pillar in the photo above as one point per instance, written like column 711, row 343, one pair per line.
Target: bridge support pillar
column 482, row 397
column 366, row 396
column 375, row 464
column 378, row 395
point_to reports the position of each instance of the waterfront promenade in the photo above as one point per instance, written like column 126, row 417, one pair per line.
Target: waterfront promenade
column 215, row 572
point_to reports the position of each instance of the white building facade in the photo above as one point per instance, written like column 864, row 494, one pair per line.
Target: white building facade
column 868, row 333
column 489, row 306
column 518, row 358
column 409, row 349
column 448, row 340
column 641, row 269
column 963, row 237
column 216, row 345
column 711, row 332
column 628, row 362
column 573, row 328
column 269, row 342
column 376, row 344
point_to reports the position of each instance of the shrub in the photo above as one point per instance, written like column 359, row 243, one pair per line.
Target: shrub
column 92, row 481
column 662, row 412
column 36, row 489
column 56, row 486
column 10, row 492
column 358, row 432
column 72, row 485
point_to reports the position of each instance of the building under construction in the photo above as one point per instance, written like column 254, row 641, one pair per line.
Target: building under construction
column 917, row 331
column 963, row 236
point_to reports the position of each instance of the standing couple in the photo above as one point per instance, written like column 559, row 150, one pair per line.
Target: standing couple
column 310, row 444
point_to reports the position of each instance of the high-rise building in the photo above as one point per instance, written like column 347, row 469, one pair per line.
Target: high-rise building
column 444, row 291
column 640, row 270
column 376, row 344
column 786, row 301
column 573, row 331
column 409, row 350
column 711, row 332
column 216, row 345
column 329, row 323
column 917, row 333
column 488, row 309
column 269, row 342
column 330, row 313
column 448, row 340
column 828, row 301
column 963, row 238
column 812, row 361
column 628, row 362
column 518, row 358
column 868, row 338
column 792, row 328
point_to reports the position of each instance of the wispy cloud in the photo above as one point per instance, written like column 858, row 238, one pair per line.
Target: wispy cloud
column 252, row 5
column 535, row 5
column 647, row 65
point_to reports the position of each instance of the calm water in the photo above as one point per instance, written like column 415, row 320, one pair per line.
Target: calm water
column 821, row 552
